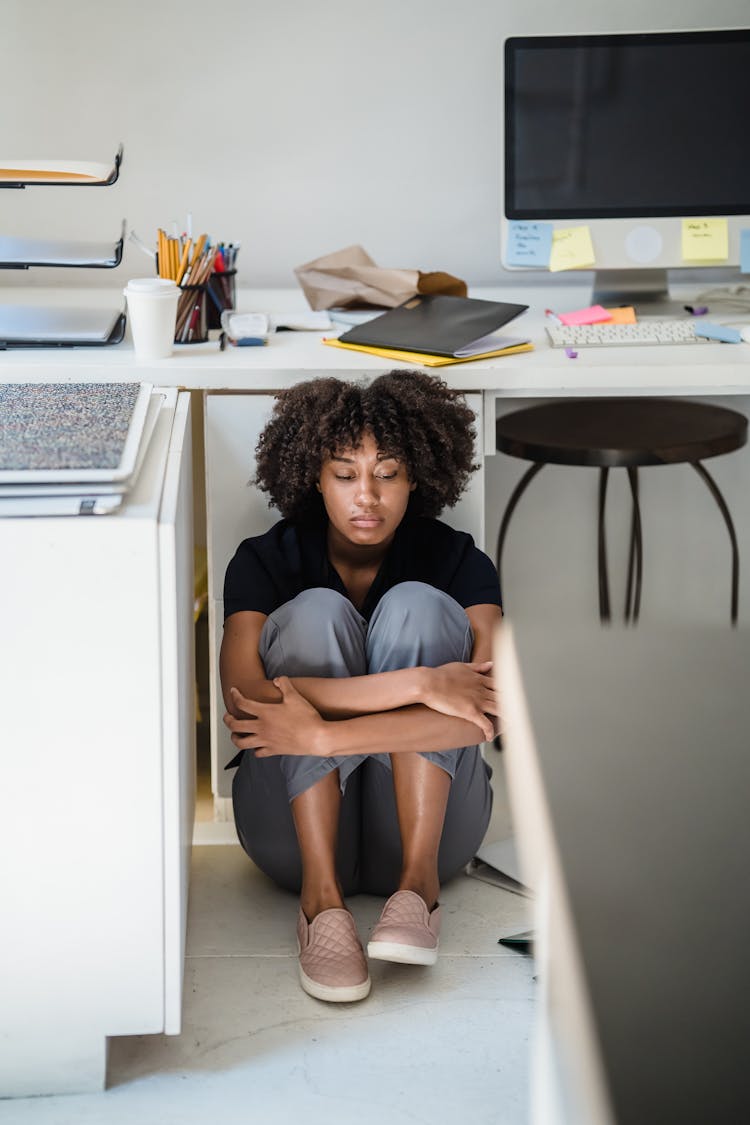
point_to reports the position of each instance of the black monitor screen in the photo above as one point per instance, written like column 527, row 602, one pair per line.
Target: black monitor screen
column 621, row 126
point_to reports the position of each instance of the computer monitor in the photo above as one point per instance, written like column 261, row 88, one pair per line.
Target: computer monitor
column 629, row 135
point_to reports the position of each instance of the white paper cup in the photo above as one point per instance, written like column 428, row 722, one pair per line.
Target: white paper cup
column 152, row 311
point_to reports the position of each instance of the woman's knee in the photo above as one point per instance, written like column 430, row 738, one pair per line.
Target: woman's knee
column 421, row 620
column 318, row 633
column 312, row 607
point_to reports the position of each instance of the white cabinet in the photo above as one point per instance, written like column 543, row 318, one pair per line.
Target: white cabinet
column 235, row 509
column 98, row 765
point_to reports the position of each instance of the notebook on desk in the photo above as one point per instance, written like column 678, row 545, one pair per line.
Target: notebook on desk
column 452, row 327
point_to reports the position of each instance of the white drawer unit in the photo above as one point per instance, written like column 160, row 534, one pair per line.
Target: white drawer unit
column 98, row 772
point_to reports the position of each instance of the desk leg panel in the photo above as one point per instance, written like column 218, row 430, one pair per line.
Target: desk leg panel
column 178, row 703
column 80, row 713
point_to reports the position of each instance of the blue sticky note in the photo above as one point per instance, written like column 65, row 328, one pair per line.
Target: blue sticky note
column 529, row 244
column 745, row 251
column 717, row 332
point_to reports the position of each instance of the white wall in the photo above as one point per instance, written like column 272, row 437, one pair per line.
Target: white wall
column 295, row 127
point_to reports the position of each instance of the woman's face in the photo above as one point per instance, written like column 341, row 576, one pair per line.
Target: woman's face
column 365, row 492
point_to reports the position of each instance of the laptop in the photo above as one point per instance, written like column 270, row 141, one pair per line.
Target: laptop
column 72, row 448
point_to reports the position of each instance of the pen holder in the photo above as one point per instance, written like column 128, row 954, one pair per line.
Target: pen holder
column 191, row 326
column 221, row 295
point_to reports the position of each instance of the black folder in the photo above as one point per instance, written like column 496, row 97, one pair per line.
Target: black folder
column 434, row 324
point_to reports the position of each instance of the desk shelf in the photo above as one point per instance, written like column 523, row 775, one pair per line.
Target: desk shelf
column 59, row 173
column 28, row 253
column 36, row 328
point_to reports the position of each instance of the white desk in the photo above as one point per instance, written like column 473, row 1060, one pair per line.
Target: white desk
column 291, row 356
column 548, row 559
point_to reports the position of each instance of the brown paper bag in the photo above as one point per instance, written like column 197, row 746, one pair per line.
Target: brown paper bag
column 349, row 278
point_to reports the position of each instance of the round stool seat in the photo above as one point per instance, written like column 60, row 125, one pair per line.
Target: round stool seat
column 609, row 432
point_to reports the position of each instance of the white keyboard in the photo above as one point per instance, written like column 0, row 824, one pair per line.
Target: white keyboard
column 619, row 335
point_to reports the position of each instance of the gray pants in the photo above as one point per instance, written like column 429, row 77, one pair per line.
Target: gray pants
column 320, row 633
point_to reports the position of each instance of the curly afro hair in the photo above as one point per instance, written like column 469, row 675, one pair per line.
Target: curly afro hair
column 412, row 416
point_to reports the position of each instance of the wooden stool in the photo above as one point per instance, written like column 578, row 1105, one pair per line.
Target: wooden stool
column 627, row 432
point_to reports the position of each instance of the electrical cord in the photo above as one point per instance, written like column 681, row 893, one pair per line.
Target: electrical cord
column 726, row 298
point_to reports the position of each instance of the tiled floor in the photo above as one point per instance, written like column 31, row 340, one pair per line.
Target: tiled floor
column 429, row 1045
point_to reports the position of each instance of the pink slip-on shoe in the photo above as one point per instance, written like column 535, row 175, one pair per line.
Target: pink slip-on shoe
column 407, row 931
column 332, row 963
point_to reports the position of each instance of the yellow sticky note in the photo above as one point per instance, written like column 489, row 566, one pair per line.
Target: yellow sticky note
column 572, row 249
column 705, row 240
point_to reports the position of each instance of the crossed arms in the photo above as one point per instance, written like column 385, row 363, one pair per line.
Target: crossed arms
column 408, row 710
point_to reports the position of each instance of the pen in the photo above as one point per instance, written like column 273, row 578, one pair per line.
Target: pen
column 215, row 300
column 552, row 316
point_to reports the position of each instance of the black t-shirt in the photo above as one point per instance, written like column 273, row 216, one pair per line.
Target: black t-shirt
column 269, row 570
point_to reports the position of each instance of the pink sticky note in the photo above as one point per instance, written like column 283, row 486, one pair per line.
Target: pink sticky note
column 595, row 314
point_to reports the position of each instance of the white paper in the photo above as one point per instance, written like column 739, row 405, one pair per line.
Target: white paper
column 498, row 864
column 490, row 343
column 34, row 251
column 351, row 317
column 301, row 321
column 69, row 325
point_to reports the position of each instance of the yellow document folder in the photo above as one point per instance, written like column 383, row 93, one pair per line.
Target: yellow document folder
column 425, row 360
column 17, row 172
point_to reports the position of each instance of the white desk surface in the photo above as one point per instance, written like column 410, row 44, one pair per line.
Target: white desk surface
column 290, row 356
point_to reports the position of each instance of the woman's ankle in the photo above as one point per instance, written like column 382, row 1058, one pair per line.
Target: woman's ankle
column 427, row 888
column 315, row 900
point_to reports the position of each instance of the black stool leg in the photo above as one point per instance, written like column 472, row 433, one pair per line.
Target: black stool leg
column 604, row 611
column 713, row 488
column 635, row 555
column 510, row 507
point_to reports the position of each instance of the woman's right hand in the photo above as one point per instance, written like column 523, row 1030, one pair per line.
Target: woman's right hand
column 465, row 691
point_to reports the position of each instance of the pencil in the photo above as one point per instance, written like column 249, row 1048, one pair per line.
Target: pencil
column 199, row 247
column 184, row 261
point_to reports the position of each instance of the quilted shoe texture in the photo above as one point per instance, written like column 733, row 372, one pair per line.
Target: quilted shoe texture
column 332, row 963
column 407, row 931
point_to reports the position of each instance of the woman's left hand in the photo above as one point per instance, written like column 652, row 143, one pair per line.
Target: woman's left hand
column 291, row 726
column 464, row 690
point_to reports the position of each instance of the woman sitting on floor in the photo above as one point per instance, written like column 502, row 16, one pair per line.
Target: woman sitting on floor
column 356, row 668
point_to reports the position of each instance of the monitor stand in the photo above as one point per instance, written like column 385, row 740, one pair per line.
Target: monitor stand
column 647, row 290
